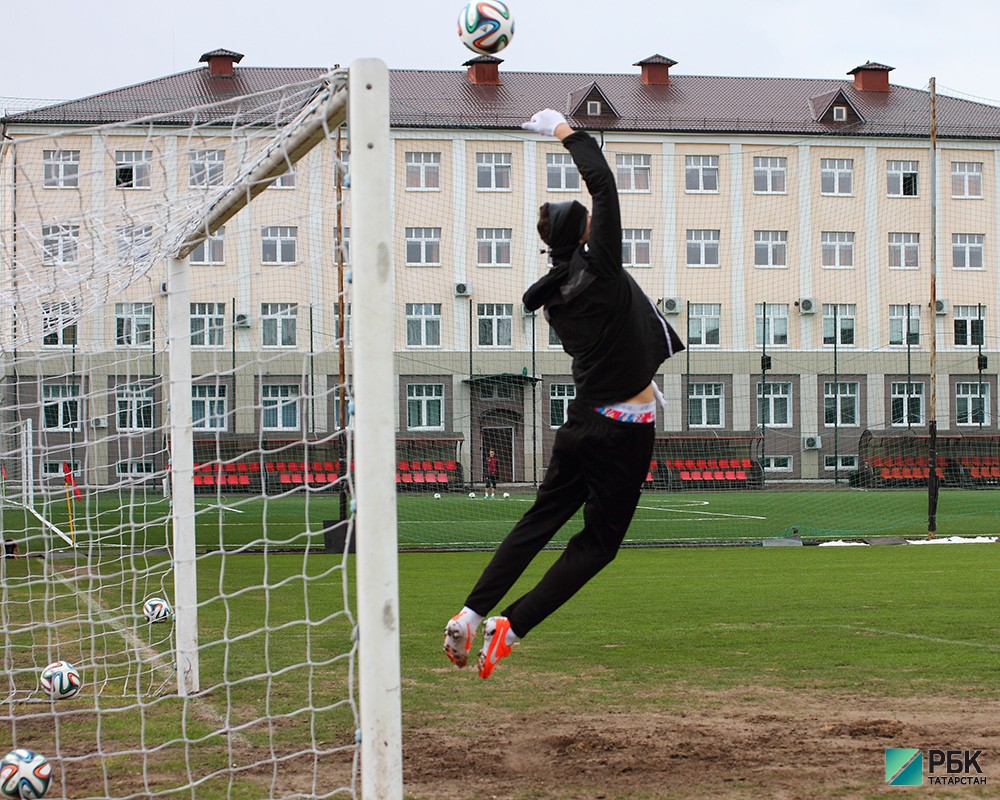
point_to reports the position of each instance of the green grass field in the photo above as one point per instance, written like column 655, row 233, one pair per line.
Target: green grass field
column 457, row 522
column 667, row 639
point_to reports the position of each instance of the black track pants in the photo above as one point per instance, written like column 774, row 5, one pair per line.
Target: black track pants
column 596, row 463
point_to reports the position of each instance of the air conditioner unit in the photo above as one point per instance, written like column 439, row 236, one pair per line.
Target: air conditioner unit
column 670, row 305
column 812, row 442
column 526, row 312
column 941, row 307
column 463, row 290
column 99, row 422
column 242, row 321
column 807, row 305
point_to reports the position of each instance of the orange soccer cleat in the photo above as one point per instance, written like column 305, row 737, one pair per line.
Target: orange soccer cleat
column 495, row 645
column 458, row 636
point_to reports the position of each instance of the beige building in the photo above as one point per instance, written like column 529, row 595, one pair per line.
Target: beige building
column 786, row 228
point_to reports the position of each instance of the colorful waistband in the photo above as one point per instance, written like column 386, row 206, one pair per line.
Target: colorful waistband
column 642, row 413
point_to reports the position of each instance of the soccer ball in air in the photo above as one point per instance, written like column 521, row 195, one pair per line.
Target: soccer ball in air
column 485, row 27
column 24, row 774
column 60, row 680
column 156, row 609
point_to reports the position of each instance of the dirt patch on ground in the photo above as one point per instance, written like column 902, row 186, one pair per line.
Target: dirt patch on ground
column 733, row 745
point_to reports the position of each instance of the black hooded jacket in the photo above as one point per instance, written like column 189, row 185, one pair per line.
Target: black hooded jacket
column 606, row 323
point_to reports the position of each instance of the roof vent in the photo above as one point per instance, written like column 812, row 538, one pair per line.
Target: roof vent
column 655, row 70
column 484, row 70
column 221, row 63
column 871, row 77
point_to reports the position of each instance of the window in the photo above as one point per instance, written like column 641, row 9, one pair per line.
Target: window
column 840, row 403
column 136, row 469
column 705, row 405
column 423, row 246
column 840, row 462
column 970, row 325
column 56, row 468
column 493, row 247
column 211, row 250
column 702, row 248
column 133, row 169
column 423, row 172
column 561, row 174
column 61, row 406
column 967, row 250
column 206, row 168
column 904, row 250
column 133, row 243
column 347, row 322
column 278, row 322
column 560, row 396
column 902, row 178
column 770, row 324
column 769, row 175
column 701, row 174
column 972, row 403
column 425, row 406
column 770, row 249
column 907, row 403
column 774, row 404
column 704, row 323
column 60, row 245
column 838, row 324
column 593, row 108
column 279, row 407
column 59, row 324
column 208, row 406
column 776, row 463
column 133, row 324
column 633, row 171
column 837, row 175
column 277, row 244
column 134, row 405
column 208, row 324
column 904, row 324
column 493, row 172
column 496, row 324
column 61, row 169
column 423, row 324
column 837, row 249
column 966, row 179
column 554, row 340
column 636, row 244
column 840, row 113
column 286, row 180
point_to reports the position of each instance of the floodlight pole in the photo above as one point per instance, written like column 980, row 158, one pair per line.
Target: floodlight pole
column 374, row 435
column 932, row 477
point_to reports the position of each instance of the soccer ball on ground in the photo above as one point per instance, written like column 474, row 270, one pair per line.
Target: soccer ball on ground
column 506, row 495
column 485, row 27
column 437, row 495
column 60, row 680
column 472, row 495
column 24, row 774
column 157, row 609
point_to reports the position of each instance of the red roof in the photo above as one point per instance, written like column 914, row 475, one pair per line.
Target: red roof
column 447, row 99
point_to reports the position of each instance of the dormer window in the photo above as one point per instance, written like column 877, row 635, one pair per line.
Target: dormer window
column 840, row 113
column 593, row 108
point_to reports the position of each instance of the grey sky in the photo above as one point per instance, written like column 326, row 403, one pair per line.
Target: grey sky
column 63, row 49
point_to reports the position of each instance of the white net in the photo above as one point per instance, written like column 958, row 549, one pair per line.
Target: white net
column 91, row 216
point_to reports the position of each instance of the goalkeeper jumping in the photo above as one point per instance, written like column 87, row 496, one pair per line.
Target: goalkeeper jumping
column 617, row 340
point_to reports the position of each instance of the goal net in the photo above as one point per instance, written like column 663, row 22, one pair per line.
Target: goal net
column 177, row 431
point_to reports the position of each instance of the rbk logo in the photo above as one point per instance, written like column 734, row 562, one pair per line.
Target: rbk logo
column 904, row 766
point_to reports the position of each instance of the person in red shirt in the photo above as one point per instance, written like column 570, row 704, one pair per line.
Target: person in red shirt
column 491, row 474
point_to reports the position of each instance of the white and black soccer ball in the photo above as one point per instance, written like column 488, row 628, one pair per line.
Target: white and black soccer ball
column 506, row 495
column 25, row 774
column 437, row 495
column 157, row 609
column 60, row 680
column 472, row 495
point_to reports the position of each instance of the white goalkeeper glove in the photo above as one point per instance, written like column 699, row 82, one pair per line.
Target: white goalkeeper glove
column 544, row 122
